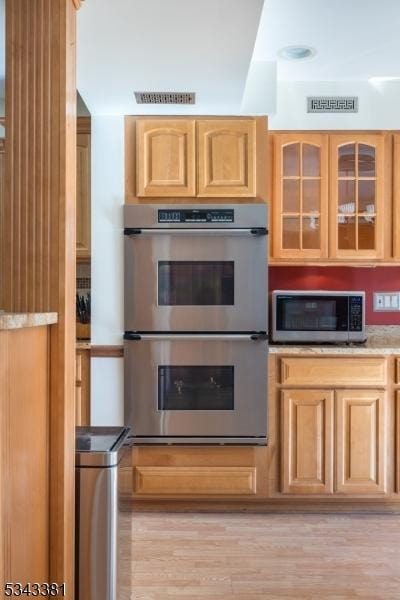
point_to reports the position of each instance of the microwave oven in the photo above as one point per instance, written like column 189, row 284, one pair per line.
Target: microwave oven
column 318, row 317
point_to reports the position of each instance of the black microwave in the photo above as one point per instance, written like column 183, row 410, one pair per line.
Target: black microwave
column 318, row 317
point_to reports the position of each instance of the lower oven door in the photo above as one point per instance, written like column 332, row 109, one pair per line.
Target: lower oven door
column 203, row 388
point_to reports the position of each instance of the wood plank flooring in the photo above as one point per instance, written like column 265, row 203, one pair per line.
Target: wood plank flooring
column 254, row 557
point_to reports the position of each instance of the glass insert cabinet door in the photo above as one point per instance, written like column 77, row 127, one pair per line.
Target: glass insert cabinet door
column 300, row 196
column 357, row 196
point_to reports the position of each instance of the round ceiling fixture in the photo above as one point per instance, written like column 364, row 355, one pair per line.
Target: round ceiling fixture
column 296, row 52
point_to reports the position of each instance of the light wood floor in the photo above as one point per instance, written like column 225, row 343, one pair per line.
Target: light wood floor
column 254, row 557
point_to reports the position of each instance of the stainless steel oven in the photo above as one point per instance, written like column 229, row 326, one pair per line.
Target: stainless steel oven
column 195, row 268
column 196, row 388
column 318, row 316
column 196, row 345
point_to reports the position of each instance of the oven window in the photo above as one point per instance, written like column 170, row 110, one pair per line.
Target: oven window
column 312, row 313
column 196, row 283
column 195, row 388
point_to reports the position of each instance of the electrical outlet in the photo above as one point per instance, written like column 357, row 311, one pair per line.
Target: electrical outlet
column 386, row 301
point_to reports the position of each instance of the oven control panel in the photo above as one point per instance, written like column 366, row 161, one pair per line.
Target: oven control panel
column 192, row 215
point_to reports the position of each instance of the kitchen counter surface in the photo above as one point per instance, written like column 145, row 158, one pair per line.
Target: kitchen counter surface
column 22, row 320
column 383, row 339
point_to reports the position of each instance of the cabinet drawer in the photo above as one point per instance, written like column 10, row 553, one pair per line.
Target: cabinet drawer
column 231, row 481
column 346, row 371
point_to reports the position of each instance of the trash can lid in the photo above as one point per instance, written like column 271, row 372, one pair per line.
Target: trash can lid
column 99, row 446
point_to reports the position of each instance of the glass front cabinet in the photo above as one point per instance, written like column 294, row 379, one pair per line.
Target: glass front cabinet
column 356, row 196
column 328, row 196
column 300, row 203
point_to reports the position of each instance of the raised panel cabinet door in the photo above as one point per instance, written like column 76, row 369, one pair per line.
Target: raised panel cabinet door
column 2, row 161
column 226, row 158
column 300, row 196
column 307, row 443
column 165, row 157
column 397, row 441
column 357, row 202
column 83, row 200
column 361, row 442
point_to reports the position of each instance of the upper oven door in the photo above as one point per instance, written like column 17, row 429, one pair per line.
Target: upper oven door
column 196, row 279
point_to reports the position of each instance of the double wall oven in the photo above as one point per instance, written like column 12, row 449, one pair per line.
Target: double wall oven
column 196, row 323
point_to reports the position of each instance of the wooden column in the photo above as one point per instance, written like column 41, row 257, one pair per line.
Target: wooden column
column 38, row 253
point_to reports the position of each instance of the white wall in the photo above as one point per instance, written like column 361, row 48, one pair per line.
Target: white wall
column 107, row 266
column 378, row 105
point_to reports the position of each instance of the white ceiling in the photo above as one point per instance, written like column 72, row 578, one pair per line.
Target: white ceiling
column 354, row 39
column 206, row 46
column 160, row 45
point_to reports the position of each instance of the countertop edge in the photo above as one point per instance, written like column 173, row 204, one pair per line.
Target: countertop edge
column 9, row 321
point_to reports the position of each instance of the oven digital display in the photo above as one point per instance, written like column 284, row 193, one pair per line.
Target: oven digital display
column 193, row 215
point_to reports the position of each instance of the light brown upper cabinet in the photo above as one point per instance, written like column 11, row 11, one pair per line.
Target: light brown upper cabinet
column 195, row 158
column 357, row 210
column 330, row 197
column 301, row 196
column 226, row 158
column 83, row 210
column 166, row 157
column 396, row 196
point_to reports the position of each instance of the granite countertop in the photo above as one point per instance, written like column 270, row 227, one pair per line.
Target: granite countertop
column 22, row 320
column 381, row 339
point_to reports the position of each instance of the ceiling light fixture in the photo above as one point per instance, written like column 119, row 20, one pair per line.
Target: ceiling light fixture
column 296, row 52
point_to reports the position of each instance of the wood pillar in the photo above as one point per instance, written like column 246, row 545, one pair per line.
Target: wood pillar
column 38, row 241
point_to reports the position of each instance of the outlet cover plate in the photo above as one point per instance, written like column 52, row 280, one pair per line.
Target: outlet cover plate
column 386, row 301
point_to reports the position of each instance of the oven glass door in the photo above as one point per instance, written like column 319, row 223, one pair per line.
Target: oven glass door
column 312, row 313
column 205, row 386
column 178, row 281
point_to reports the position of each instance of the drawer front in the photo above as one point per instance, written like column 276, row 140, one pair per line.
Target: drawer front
column 177, row 481
column 346, row 371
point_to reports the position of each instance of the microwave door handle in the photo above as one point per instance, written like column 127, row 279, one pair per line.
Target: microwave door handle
column 237, row 337
column 256, row 231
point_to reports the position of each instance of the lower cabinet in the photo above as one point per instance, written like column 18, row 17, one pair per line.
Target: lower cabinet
column 199, row 472
column 333, row 441
column 397, row 441
column 82, row 388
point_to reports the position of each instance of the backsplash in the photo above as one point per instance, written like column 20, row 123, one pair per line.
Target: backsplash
column 370, row 279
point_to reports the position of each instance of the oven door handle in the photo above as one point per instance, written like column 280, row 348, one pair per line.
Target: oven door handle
column 256, row 231
column 237, row 337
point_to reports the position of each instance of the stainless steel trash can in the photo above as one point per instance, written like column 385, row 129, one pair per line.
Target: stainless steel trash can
column 101, row 454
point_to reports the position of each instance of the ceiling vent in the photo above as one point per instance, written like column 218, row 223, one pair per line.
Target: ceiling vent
column 165, row 97
column 332, row 104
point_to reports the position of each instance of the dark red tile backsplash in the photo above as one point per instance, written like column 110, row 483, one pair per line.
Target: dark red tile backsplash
column 378, row 279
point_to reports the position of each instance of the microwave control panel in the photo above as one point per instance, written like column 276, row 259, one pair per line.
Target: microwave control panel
column 196, row 216
column 355, row 313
